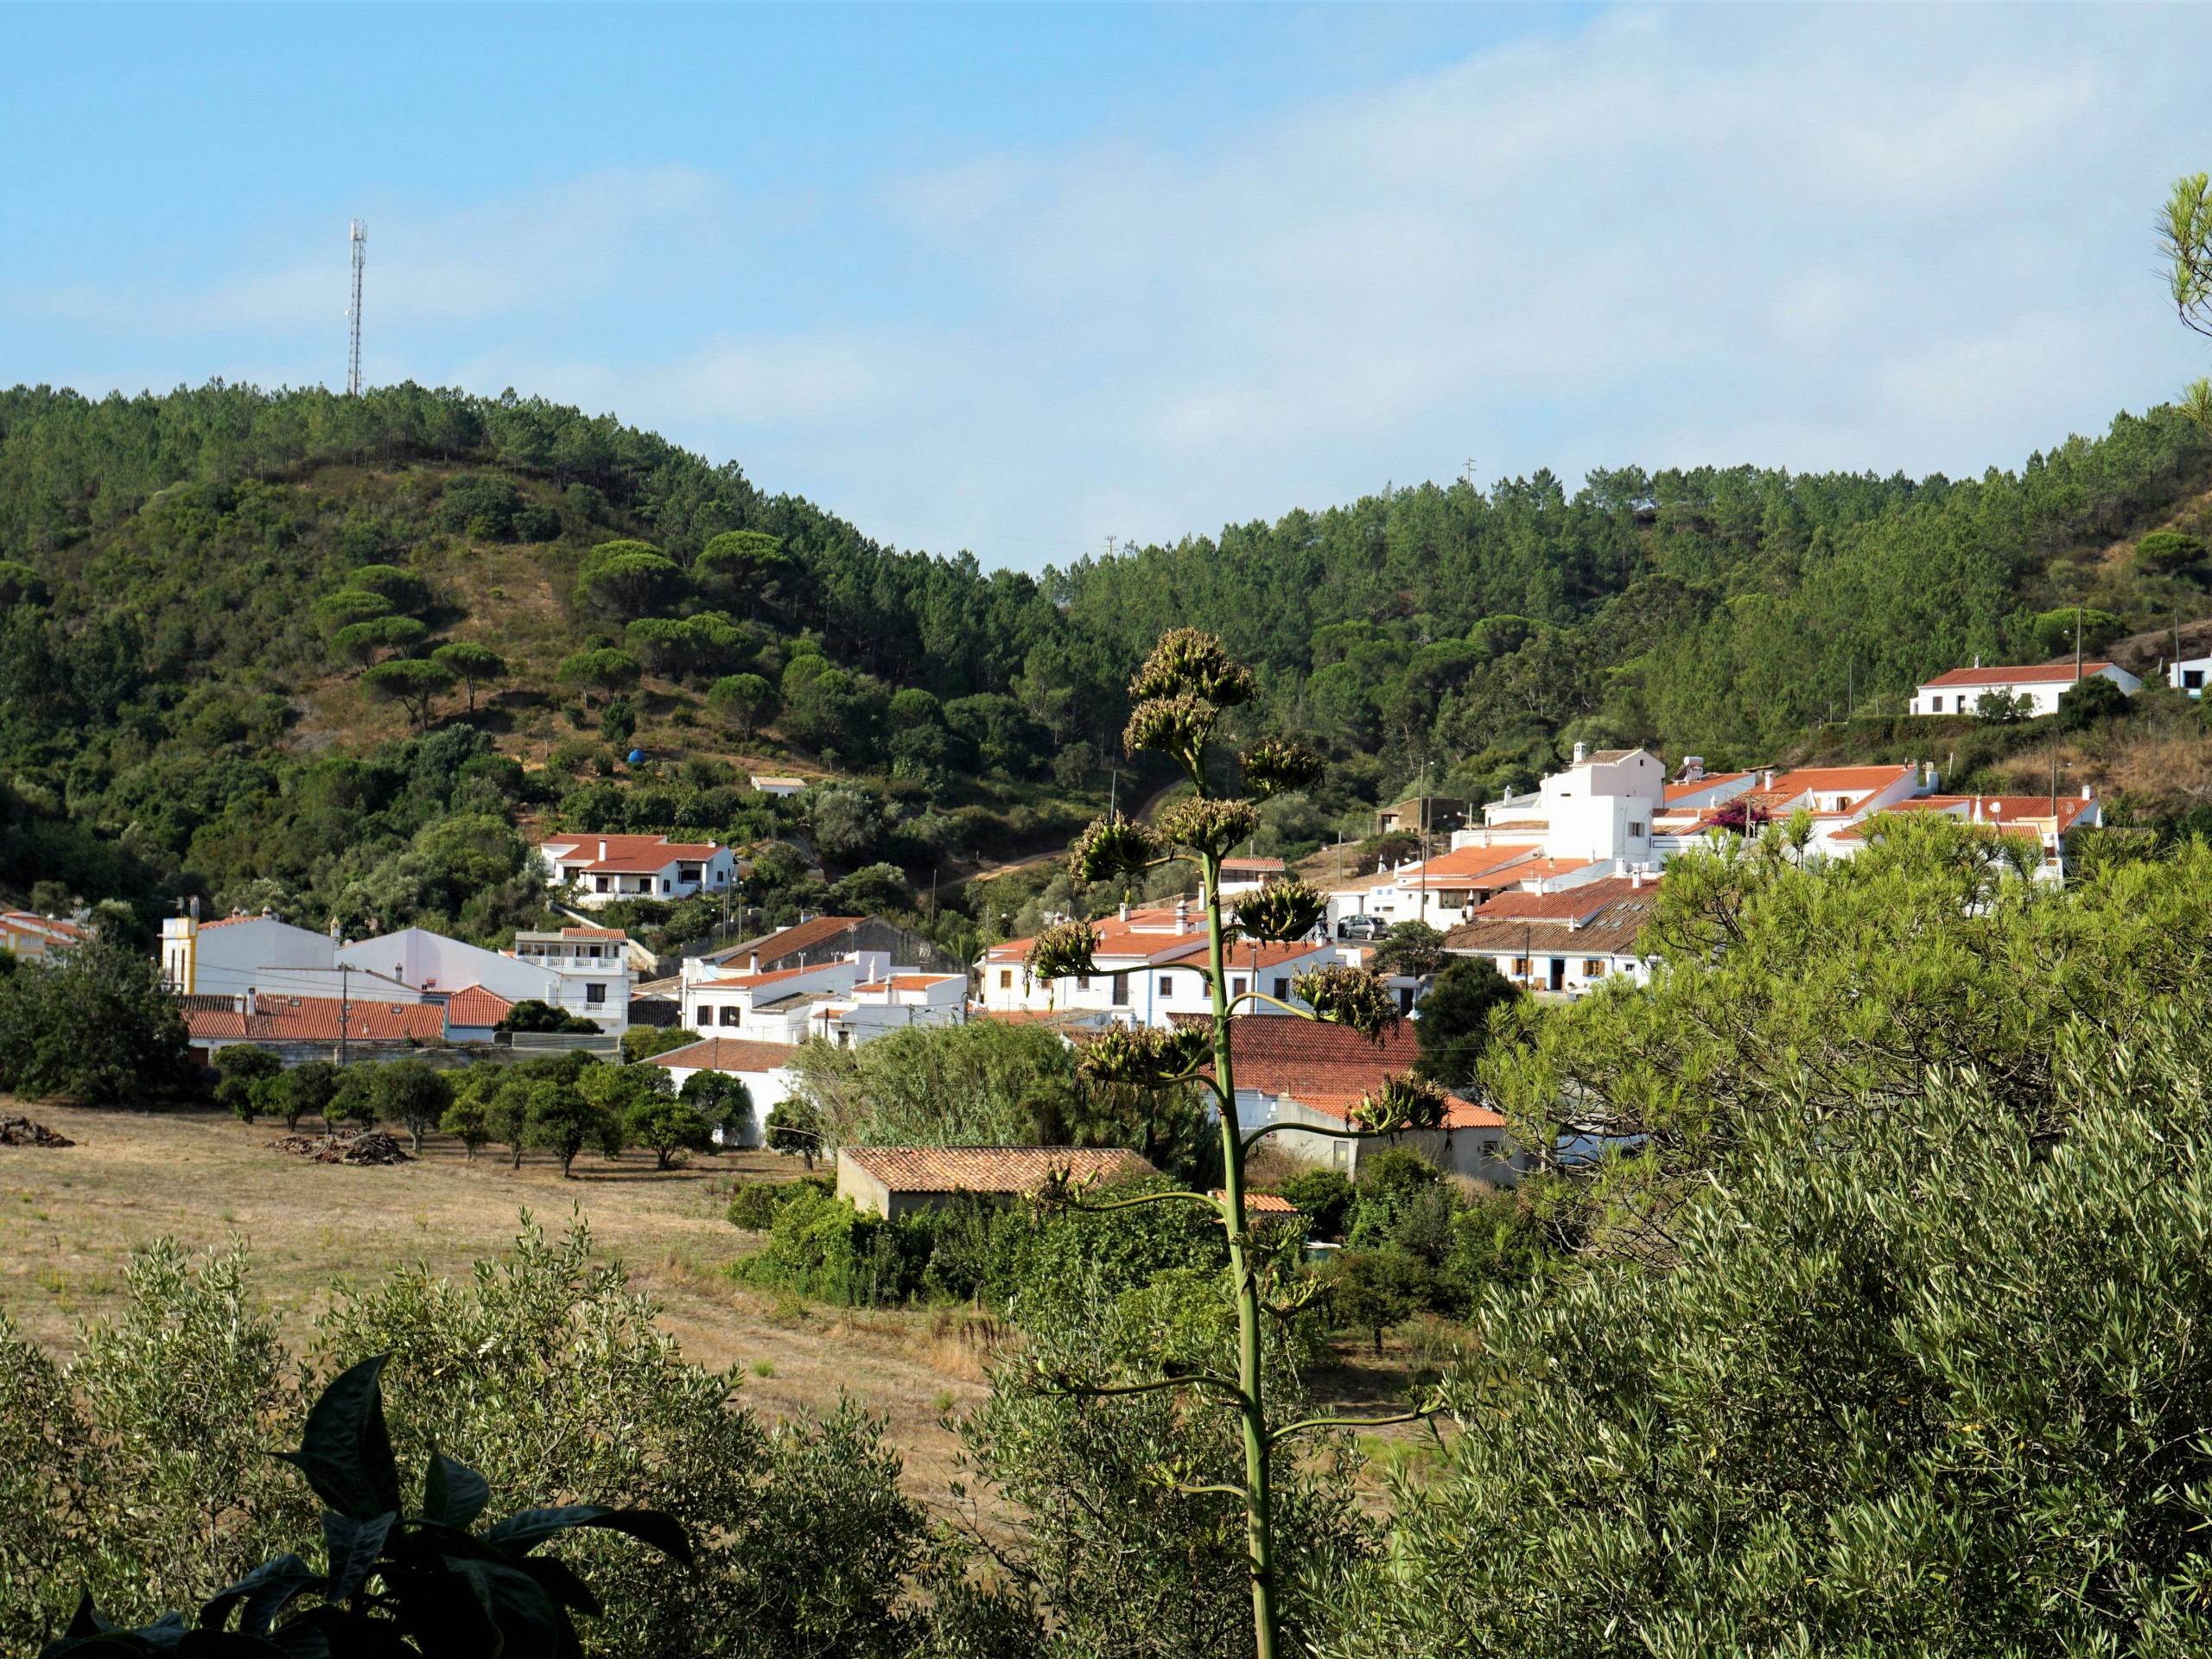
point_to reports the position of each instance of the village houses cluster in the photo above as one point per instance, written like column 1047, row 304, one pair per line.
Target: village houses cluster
column 1553, row 887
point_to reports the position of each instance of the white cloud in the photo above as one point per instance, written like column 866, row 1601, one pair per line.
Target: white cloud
column 1825, row 239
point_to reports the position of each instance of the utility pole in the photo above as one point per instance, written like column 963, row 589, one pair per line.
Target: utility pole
column 354, row 311
column 1469, row 474
column 1111, row 540
column 345, row 1009
column 2077, row 645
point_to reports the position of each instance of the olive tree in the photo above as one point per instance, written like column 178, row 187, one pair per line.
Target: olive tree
column 1181, row 696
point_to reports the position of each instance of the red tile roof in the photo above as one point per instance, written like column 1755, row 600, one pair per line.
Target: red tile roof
column 1329, row 1067
column 728, row 1054
column 990, row 1169
column 627, row 855
column 801, row 936
column 314, row 1018
column 1458, row 869
column 472, row 1005
column 1261, row 1204
column 921, row 982
column 2045, row 674
column 746, row 981
column 1573, row 904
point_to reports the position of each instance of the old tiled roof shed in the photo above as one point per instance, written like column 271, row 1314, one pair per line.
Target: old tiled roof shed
column 898, row 1180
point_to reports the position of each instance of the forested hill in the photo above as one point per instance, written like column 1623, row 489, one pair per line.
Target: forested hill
column 213, row 598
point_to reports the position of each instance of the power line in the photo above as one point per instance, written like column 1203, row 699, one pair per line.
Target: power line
column 353, row 313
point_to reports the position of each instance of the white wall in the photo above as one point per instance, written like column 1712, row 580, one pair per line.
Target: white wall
column 430, row 961
column 204, row 960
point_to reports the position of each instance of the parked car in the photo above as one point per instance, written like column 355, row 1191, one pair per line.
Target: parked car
column 1362, row 927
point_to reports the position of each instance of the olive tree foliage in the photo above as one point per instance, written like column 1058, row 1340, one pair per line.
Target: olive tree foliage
column 96, row 1024
column 1180, row 697
column 1828, row 990
column 1921, row 1381
column 143, row 1468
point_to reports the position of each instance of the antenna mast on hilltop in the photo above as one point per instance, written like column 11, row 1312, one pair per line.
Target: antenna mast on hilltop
column 353, row 313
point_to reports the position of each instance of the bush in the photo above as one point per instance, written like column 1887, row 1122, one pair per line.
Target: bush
column 247, row 1079
column 2169, row 552
column 96, row 1024
column 2091, row 702
column 754, row 1204
column 1324, row 1197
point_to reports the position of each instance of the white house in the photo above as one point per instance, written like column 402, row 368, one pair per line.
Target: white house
column 1145, row 958
column 603, row 868
column 581, row 971
column 2188, row 675
column 27, row 934
column 227, row 958
column 1599, row 808
column 779, row 787
column 2046, row 820
column 851, row 1000
column 1301, row 1079
column 1440, row 891
column 1568, row 942
column 763, row 1068
column 1960, row 691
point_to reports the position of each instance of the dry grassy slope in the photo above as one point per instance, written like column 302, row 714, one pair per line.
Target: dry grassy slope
column 516, row 600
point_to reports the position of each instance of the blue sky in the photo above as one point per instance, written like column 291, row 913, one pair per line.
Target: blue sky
column 1018, row 278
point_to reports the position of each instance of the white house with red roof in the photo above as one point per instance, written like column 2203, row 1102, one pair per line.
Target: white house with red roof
column 1960, row 691
column 1146, row 976
column 848, row 1001
column 227, row 957
column 584, row 971
column 34, row 937
column 763, row 1068
column 314, row 1028
column 2050, row 821
column 1565, row 942
column 1301, row 1077
column 603, row 868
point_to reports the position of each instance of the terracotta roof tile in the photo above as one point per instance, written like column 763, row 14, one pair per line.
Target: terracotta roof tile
column 2042, row 674
column 315, row 1018
column 1261, row 1204
column 729, row 1054
column 472, row 1005
column 990, row 1169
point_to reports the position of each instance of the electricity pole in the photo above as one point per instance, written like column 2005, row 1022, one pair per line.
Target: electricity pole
column 354, row 311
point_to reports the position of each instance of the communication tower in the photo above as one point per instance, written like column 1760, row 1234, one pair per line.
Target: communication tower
column 354, row 311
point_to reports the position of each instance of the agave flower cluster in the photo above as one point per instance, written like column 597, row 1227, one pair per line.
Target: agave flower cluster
column 1402, row 1103
column 1146, row 1056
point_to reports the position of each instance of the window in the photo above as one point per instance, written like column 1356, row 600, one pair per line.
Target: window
column 1935, row 704
column 1006, row 979
column 1593, row 967
column 1237, row 984
column 594, row 994
column 1282, row 988
column 600, row 882
column 2192, row 679
column 1120, row 990
column 1452, row 898
column 1405, row 999
column 1083, row 981
column 1166, row 985
column 1634, row 830
column 731, row 1014
column 1520, row 967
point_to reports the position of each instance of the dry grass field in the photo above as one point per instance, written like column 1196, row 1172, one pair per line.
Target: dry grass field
column 70, row 1217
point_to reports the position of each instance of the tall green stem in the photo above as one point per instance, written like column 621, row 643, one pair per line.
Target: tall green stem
column 1259, row 1521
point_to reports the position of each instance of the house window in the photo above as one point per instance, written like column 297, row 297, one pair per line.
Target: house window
column 2192, row 679
column 1935, row 704
column 1593, row 967
column 1166, row 985
column 1083, row 981
column 1237, row 984
column 1120, row 990
column 1452, row 898
column 1405, row 999
column 600, row 882
column 1634, row 830
column 1006, row 979
column 1282, row 990
column 594, row 994
column 1520, row 967
column 732, row 1015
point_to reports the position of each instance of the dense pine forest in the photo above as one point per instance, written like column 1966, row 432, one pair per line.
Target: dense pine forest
column 337, row 655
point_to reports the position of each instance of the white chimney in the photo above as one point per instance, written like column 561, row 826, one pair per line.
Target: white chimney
column 1183, row 914
column 602, row 851
column 753, row 965
column 2085, row 791
column 1635, row 878
column 1125, row 909
column 1581, row 753
column 249, row 1002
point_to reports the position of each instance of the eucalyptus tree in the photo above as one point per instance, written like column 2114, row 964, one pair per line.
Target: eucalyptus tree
column 1181, row 695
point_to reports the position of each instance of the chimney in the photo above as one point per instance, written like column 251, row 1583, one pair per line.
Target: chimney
column 1635, row 878
column 335, row 934
column 249, row 1002
column 2085, row 791
column 195, row 909
column 753, row 965
column 602, row 851
column 1581, row 753
column 1183, row 914
column 1124, row 912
